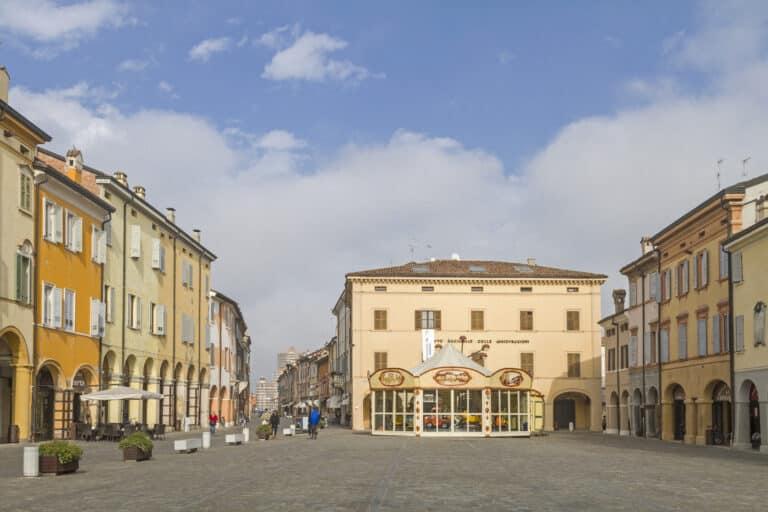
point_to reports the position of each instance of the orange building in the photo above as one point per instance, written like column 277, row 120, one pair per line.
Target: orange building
column 70, row 316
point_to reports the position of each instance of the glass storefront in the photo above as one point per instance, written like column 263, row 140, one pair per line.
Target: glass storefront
column 509, row 411
column 453, row 410
column 393, row 410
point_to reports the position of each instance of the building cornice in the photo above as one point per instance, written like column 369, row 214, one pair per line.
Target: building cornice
column 476, row 281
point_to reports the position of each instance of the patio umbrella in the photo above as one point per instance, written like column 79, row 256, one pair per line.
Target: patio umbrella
column 122, row 393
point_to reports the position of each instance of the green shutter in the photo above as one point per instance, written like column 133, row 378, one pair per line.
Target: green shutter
column 19, row 277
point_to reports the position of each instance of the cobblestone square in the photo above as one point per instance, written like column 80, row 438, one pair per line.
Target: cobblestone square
column 348, row 471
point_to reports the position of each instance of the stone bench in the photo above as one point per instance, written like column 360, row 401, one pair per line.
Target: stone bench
column 234, row 438
column 187, row 445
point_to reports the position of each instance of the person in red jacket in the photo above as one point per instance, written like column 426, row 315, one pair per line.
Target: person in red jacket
column 212, row 421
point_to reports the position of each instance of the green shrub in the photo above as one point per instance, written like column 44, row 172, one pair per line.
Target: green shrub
column 137, row 439
column 64, row 451
column 264, row 430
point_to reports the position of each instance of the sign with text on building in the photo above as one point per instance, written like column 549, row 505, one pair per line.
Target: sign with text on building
column 427, row 343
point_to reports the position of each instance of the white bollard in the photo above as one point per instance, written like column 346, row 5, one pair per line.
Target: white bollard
column 246, row 435
column 31, row 461
column 187, row 423
column 206, row 440
column 570, row 426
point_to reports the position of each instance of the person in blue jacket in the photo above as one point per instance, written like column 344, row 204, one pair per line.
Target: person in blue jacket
column 314, row 421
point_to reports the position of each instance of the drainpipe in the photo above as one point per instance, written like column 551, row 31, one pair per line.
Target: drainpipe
column 618, row 380
column 107, row 219
column 199, row 339
column 36, row 218
column 125, row 296
column 173, row 353
column 643, row 411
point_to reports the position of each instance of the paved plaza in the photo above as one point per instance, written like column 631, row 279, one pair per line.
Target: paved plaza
column 347, row 471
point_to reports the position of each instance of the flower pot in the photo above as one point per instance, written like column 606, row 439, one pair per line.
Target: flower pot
column 49, row 464
column 136, row 453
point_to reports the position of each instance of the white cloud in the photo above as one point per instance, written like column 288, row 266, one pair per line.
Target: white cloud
column 280, row 140
column 203, row 50
column 165, row 86
column 60, row 26
column 307, row 57
column 133, row 65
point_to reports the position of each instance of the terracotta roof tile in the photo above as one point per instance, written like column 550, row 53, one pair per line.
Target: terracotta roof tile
column 476, row 269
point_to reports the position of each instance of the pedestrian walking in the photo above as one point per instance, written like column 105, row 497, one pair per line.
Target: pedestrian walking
column 314, row 421
column 274, row 420
column 212, row 421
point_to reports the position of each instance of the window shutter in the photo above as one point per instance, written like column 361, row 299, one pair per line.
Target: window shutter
column 686, row 276
column 736, row 264
column 632, row 350
column 438, row 321
column 102, row 317
column 160, row 319
column 417, row 319
column 739, row 334
column 696, row 267
column 162, row 259
column 701, row 335
column 156, row 253
column 716, row 334
column 135, row 241
column 56, row 307
column 102, row 246
column 94, row 244
column 112, row 303
column 78, row 234
column 94, row 317
column 668, row 286
column 705, row 269
column 19, row 277
column 653, row 286
column 58, row 223
column 183, row 273
column 138, row 313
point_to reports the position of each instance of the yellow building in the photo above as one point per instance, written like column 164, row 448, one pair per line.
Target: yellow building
column 504, row 316
column 749, row 257
column 19, row 139
column 70, row 310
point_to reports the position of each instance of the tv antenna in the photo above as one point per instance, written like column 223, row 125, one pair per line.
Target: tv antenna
column 744, row 166
column 719, row 162
column 414, row 244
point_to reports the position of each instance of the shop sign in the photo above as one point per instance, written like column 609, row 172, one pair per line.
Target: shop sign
column 391, row 378
column 511, row 379
column 452, row 377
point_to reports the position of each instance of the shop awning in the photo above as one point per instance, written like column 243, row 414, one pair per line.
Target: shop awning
column 121, row 393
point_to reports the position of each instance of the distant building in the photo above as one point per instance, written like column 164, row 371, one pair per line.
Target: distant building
column 265, row 394
column 285, row 358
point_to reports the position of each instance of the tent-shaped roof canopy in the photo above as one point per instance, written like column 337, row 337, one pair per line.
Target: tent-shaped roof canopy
column 121, row 393
column 449, row 355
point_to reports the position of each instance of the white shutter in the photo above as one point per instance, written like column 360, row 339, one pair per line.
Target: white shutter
column 653, row 286
column 94, row 317
column 112, row 303
column 138, row 313
column 56, row 307
column 160, row 319
column 716, row 334
column 156, row 253
column 102, row 246
column 135, row 241
column 739, row 334
column 704, row 269
column 686, row 276
column 183, row 273
column 696, row 262
column 162, row 259
column 59, row 223
column 191, row 272
column 184, row 328
column 736, row 266
column 78, row 234
column 94, row 244
column 102, row 317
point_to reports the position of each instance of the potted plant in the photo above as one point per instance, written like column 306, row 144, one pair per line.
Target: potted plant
column 263, row 431
column 59, row 457
column 137, row 446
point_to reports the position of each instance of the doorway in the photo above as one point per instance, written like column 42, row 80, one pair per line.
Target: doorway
column 565, row 413
column 721, row 414
column 679, row 413
column 754, row 417
column 45, row 405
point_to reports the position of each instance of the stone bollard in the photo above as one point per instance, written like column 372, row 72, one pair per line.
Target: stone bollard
column 187, row 424
column 570, row 426
column 206, row 440
column 31, row 461
column 246, row 434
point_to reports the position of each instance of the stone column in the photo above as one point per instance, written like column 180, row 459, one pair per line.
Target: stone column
column 741, row 437
column 668, row 421
column 181, row 401
column 22, row 399
column 691, row 421
column 486, row 422
column 764, row 426
column 610, row 420
column 705, row 420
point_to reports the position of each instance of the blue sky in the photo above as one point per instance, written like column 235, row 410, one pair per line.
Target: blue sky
column 309, row 139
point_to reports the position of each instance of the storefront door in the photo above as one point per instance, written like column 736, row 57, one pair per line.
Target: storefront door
column 45, row 404
column 754, row 417
column 565, row 413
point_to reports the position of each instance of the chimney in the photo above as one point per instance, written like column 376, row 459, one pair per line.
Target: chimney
column 618, row 300
column 170, row 213
column 121, row 178
column 645, row 245
column 531, row 262
column 5, row 79
column 196, row 235
column 74, row 165
column 140, row 191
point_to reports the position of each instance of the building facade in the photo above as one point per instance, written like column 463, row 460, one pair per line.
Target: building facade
column 537, row 319
column 615, row 342
column 18, row 148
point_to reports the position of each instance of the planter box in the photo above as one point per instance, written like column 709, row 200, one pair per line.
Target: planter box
column 49, row 464
column 136, row 453
column 262, row 435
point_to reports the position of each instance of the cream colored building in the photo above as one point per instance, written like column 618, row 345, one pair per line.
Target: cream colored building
column 19, row 139
column 502, row 315
column 615, row 341
column 749, row 254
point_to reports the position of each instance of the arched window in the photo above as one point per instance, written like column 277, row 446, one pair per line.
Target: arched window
column 24, row 273
column 760, row 323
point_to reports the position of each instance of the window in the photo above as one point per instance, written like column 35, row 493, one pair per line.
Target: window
column 701, row 270
column 666, row 285
column 739, row 334
column 653, row 286
column 25, row 190
column 633, row 350
column 526, row 362
column 701, row 335
column 427, row 288
column 477, row 289
column 157, row 319
column 187, row 329
column 723, row 263
column 379, row 288
column 682, row 340
column 379, row 360
column 573, row 320
column 716, row 334
column 52, row 229
column 759, row 326
column 158, row 255
column 69, row 310
column 133, row 310
column 509, row 411
column 737, row 267
column 427, row 320
column 98, row 245
column 574, row 365
column 623, row 356
column 526, row 289
column 477, row 320
column 98, row 310
column 74, row 241
column 380, row 319
column 135, row 241
column 611, row 357
column 664, row 340
column 51, row 305
column 526, row 320
column 24, row 274
column 109, row 297
column 681, row 278
column 632, row 293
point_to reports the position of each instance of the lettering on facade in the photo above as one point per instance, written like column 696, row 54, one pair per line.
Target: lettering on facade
column 486, row 341
column 452, row 377
column 390, row 378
